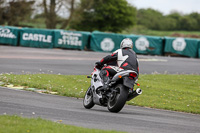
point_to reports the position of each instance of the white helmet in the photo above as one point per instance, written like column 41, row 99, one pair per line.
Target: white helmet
column 126, row 43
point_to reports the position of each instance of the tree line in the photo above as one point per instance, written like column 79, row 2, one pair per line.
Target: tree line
column 155, row 20
column 90, row 15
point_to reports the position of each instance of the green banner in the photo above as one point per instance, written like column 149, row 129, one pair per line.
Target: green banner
column 38, row 38
column 199, row 50
column 199, row 53
column 9, row 35
column 105, row 42
column 147, row 44
column 71, row 39
column 182, row 46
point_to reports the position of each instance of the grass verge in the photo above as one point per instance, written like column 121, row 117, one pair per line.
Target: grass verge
column 16, row 124
column 142, row 31
column 171, row 92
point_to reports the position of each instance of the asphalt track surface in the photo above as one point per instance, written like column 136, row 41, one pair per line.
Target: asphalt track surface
column 70, row 111
column 21, row 60
column 134, row 119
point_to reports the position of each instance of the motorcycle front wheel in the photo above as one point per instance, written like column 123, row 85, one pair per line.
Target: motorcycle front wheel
column 88, row 99
column 117, row 98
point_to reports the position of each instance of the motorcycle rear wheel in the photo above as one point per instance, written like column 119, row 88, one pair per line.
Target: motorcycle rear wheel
column 117, row 99
column 88, row 99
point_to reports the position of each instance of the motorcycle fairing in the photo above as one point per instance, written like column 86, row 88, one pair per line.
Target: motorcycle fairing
column 123, row 74
column 128, row 82
column 96, row 83
column 96, row 79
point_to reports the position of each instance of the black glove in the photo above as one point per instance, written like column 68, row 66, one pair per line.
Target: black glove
column 98, row 65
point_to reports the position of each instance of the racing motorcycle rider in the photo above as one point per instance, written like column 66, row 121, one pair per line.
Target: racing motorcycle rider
column 122, row 59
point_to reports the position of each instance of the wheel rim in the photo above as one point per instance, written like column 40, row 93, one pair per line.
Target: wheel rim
column 114, row 98
column 88, row 97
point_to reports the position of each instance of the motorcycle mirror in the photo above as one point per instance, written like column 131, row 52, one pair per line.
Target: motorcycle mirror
column 89, row 77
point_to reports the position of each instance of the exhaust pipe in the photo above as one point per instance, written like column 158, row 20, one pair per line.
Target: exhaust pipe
column 135, row 93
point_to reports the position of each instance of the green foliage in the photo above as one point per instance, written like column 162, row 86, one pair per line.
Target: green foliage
column 155, row 20
column 176, row 17
column 2, row 9
column 91, row 15
column 189, row 23
column 104, row 15
column 141, row 30
column 170, row 23
column 150, row 18
column 17, row 11
column 196, row 16
column 39, row 22
column 172, row 92
column 16, row 124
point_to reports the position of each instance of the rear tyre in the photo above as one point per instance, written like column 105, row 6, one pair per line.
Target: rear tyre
column 117, row 98
column 88, row 99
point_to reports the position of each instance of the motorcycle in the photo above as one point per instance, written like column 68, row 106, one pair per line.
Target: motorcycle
column 120, row 90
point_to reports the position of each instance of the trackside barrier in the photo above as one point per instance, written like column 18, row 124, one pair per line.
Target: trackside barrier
column 9, row 35
column 109, row 42
column 36, row 38
column 199, row 50
column 97, row 41
column 182, row 46
column 71, row 39
column 147, row 44
column 105, row 42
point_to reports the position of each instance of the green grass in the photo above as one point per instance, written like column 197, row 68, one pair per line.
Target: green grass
column 139, row 30
column 65, row 85
column 16, row 124
column 171, row 92
column 167, row 33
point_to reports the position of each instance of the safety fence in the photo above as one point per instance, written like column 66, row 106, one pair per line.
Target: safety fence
column 97, row 41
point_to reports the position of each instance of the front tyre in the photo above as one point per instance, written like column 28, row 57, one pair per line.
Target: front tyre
column 117, row 98
column 88, row 99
